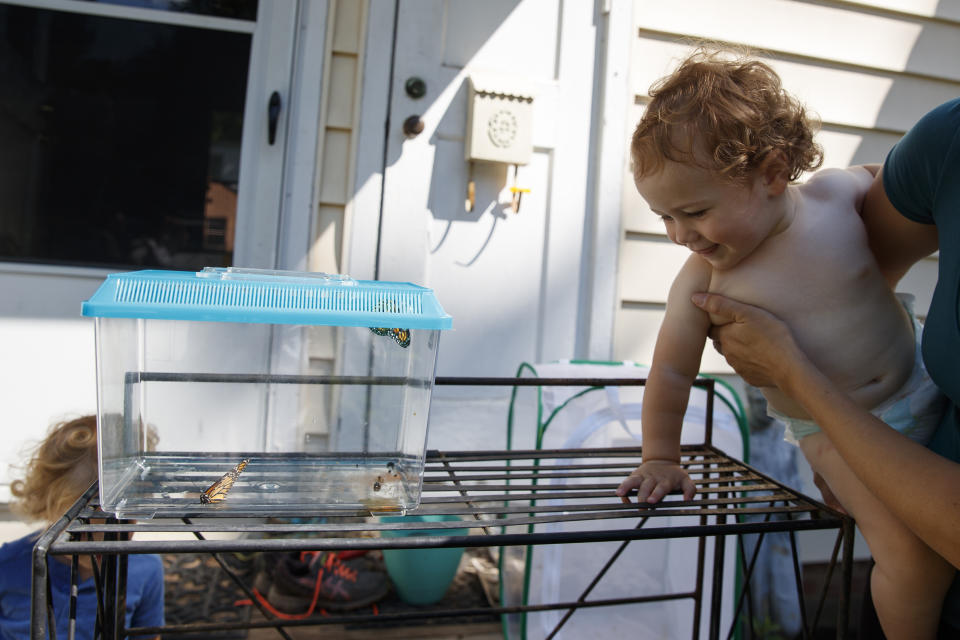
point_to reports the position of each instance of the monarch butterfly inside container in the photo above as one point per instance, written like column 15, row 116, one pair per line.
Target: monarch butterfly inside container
column 402, row 336
column 217, row 492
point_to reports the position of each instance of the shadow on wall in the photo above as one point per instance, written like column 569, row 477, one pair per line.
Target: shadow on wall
column 61, row 293
column 927, row 76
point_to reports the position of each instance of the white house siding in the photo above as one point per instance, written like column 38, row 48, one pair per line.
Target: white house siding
column 346, row 21
column 869, row 70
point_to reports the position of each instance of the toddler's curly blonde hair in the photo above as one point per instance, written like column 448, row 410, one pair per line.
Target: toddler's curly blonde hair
column 724, row 112
column 61, row 468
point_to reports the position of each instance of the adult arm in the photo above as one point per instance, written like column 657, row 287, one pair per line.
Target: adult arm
column 918, row 486
column 896, row 241
column 900, row 209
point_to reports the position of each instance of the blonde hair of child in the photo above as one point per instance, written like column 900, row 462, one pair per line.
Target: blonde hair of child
column 724, row 112
column 62, row 467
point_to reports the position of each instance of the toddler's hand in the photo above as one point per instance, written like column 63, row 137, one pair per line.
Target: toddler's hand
column 654, row 479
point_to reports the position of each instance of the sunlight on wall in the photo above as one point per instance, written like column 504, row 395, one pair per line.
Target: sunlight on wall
column 929, row 8
column 839, row 148
column 844, row 36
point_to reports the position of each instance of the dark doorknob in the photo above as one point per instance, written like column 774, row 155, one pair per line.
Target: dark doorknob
column 412, row 126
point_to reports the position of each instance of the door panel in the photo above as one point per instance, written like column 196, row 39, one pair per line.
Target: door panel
column 262, row 161
column 510, row 280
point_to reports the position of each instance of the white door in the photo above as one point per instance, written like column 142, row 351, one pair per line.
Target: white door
column 511, row 280
column 133, row 138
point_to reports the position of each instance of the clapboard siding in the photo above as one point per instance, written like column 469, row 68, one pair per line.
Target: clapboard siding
column 838, row 33
column 839, row 94
column 338, row 120
column 644, row 324
column 647, row 268
column 871, row 70
column 942, row 9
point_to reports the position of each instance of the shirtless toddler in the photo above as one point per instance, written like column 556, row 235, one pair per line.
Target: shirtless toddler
column 716, row 156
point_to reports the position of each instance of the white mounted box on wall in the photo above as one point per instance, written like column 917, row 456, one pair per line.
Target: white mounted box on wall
column 499, row 120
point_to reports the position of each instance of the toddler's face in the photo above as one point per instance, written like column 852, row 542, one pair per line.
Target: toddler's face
column 720, row 221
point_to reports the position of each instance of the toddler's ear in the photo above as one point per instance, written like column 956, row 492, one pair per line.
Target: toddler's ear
column 775, row 172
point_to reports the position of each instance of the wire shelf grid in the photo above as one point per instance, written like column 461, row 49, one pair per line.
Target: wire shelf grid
column 502, row 497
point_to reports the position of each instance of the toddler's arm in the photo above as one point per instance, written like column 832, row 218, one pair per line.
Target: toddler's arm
column 676, row 362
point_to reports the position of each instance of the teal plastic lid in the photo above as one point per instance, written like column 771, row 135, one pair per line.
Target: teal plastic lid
column 267, row 297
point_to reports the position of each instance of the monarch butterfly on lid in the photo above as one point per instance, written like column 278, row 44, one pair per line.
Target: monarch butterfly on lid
column 402, row 336
column 217, row 492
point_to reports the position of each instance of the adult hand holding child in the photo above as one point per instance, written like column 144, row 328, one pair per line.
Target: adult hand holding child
column 749, row 330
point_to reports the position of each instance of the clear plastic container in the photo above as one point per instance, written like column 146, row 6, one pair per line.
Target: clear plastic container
column 218, row 392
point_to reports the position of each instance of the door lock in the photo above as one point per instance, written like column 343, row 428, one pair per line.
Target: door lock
column 415, row 87
column 412, row 126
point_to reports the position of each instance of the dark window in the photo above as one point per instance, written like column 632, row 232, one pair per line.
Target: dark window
column 120, row 139
column 241, row 9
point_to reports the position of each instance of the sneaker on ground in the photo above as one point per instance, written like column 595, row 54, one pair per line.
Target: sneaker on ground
column 338, row 581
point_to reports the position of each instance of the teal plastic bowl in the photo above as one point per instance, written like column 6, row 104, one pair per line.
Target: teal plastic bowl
column 421, row 576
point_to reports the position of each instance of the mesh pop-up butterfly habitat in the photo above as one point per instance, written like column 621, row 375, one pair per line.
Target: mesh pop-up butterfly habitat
column 242, row 391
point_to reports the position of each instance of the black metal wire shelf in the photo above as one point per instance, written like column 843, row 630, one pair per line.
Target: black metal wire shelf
column 500, row 496
column 504, row 498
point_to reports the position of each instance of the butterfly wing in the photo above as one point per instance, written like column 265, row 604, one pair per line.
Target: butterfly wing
column 400, row 336
column 217, row 492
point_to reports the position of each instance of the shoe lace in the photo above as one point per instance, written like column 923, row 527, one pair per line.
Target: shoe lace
column 331, row 561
